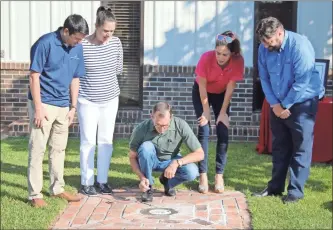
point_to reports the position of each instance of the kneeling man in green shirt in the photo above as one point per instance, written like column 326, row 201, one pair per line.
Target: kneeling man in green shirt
column 154, row 146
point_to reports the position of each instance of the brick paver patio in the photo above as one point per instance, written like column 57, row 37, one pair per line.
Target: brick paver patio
column 188, row 210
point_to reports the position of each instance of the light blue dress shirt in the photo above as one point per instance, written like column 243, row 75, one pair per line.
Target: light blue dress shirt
column 289, row 75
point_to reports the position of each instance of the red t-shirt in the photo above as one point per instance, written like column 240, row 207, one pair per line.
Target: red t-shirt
column 217, row 79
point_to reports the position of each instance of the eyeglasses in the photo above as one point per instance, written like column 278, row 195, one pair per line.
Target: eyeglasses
column 162, row 126
column 224, row 38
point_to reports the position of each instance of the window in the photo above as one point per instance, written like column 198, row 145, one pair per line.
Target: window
column 129, row 16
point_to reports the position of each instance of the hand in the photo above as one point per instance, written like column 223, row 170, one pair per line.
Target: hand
column 277, row 109
column 144, row 185
column 170, row 171
column 224, row 118
column 205, row 118
column 285, row 114
column 70, row 116
column 40, row 114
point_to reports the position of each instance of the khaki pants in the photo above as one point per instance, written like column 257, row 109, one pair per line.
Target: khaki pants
column 54, row 133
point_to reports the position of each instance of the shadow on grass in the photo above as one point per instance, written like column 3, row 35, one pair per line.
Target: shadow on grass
column 317, row 185
column 327, row 205
column 118, row 175
column 13, row 169
column 115, row 182
column 245, row 169
column 11, row 184
column 5, row 194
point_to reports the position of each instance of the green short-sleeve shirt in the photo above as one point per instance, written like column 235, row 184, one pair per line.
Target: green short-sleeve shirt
column 167, row 144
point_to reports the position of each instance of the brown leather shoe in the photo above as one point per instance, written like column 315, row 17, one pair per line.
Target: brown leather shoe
column 38, row 203
column 69, row 197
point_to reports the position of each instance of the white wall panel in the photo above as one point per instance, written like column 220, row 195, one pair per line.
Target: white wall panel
column 23, row 22
column 164, row 32
column 175, row 32
column 149, row 52
column 19, row 30
column 40, row 19
column 5, row 29
column 185, row 29
column 60, row 11
column 314, row 20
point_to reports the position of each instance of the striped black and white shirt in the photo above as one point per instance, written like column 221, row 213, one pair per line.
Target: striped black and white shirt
column 103, row 63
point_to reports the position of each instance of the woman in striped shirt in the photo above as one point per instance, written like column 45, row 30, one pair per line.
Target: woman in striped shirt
column 98, row 101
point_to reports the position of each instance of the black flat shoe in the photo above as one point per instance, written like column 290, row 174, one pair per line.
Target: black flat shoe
column 147, row 196
column 104, row 188
column 167, row 191
column 88, row 190
column 266, row 192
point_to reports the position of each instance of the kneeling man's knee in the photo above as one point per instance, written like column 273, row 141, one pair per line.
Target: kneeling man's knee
column 146, row 148
column 192, row 171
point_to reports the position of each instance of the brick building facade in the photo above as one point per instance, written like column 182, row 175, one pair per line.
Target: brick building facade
column 160, row 83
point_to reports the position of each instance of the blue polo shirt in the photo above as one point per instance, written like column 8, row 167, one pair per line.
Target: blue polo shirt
column 57, row 64
column 289, row 76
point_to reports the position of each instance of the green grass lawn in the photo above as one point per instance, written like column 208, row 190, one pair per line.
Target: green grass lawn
column 246, row 171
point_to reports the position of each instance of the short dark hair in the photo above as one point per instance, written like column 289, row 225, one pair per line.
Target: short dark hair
column 267, row 27
column 76, row 24
column 234, row 46
column 162, row 107
column 104, row 14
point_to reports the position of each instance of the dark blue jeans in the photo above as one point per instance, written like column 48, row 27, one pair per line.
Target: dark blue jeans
column 148, row 162
column 292, row 141
column 216, row 101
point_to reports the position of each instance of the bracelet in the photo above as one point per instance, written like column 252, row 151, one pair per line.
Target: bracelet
column 179, row 162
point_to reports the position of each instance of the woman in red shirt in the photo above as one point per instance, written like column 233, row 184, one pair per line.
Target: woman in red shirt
column 216, row 75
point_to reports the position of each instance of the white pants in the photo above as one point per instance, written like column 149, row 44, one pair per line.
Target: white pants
column 96, row 120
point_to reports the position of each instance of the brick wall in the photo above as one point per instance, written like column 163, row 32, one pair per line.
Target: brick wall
column 160, row 83
column 174, row 84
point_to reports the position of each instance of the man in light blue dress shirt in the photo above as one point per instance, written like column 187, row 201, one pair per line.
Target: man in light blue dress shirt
column 292, row 86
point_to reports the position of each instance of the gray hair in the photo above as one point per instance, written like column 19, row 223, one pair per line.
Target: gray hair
column 162, row 108
column 267, row 27
column 104, row 14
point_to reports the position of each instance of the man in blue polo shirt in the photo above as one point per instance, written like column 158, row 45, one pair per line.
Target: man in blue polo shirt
column 292, row 87
column 55, row 69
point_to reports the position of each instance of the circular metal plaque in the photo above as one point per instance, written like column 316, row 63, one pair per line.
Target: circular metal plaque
column 158, row 211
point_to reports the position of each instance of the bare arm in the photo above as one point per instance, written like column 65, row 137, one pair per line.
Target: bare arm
column 196, row 156
column 35, row 89
column 144, row 182
column 203, row 93
column 133, row 158
column 75, row 90
column 74, row 95
column 227, row 96
column 40, row 112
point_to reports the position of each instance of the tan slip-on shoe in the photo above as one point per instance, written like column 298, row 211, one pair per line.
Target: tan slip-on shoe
column 38, row 203
column 69, row 197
